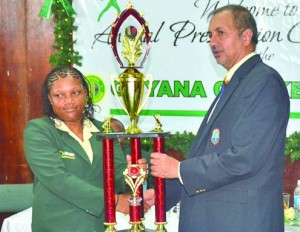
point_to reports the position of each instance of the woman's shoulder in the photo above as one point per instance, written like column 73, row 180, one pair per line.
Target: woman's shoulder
column 40, row 121
column 97, row 123
column 43, row 122
column 38, row 128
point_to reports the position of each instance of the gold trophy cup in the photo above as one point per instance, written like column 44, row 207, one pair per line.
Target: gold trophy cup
column 132, row 84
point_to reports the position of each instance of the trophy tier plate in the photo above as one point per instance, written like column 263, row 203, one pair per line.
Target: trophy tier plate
column 146, row 230
column 123, row 135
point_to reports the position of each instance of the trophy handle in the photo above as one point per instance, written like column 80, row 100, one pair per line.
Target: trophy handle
column 113, row 79
column 149, row 78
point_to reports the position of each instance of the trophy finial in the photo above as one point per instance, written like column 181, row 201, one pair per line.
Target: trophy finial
column 106, row 125
column 129, row 5
column 132, row 44
column 158, row 124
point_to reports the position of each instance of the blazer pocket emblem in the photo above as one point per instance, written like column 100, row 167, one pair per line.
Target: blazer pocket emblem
column 215, row 136
column 67, row 155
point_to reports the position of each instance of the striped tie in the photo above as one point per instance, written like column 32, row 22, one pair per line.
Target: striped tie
column 222, row 89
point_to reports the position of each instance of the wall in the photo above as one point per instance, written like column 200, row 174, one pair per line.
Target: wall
column 25, row 45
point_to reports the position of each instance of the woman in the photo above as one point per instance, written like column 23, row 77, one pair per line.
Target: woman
column 66, row 158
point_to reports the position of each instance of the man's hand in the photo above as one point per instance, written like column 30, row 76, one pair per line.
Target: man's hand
column 163, row 165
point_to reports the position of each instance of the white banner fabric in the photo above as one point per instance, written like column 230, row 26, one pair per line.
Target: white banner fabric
column 186, row 75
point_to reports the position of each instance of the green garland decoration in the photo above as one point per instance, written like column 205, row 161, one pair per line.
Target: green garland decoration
column 178, row 141
column 63, row 36
column 292, row 146
column 63, row 29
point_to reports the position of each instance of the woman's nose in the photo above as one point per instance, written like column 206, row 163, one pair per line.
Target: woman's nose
column 69, row 99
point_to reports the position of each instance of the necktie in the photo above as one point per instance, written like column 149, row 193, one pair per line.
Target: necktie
column 222, row 89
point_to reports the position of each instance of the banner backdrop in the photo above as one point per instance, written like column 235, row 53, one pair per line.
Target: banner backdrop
column 186, row 75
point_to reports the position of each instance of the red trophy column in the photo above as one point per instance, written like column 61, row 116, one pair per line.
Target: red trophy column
column 109, row 184
column 135, row 145
column 159, row 187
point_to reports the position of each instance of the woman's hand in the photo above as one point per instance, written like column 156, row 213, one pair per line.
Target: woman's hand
column 149, row 197
column 122, row 204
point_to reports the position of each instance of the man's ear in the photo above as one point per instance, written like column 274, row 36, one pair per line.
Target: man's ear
column 247, row 36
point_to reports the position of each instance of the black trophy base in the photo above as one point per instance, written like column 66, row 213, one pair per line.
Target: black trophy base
column 128, row 230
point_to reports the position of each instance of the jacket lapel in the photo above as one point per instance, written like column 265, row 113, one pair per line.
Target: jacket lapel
column 74, row 146
column 233, row 84
column 96, row 147
column 205, row 127
column 201, row 134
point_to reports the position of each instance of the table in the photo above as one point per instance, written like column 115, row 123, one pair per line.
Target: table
column 21, row 222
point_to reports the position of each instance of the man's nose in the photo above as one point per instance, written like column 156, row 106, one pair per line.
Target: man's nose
column 212, row 41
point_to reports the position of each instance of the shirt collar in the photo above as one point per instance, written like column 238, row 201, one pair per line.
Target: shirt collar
column 87, row 125
column 236, row 66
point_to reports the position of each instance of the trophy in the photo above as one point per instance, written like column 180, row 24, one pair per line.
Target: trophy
column 131, row 81
column 132, row 99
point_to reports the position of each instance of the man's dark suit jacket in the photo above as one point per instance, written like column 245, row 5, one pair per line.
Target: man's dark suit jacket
column 232, row 179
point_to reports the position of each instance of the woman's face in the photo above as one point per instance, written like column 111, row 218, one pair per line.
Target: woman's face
column 67, row 97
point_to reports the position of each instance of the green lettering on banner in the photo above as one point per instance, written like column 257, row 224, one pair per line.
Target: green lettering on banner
column 181, row 88
column 295, row 90
column 165, row 89
column 154, row 85
column 217, row 87
column 198, row 89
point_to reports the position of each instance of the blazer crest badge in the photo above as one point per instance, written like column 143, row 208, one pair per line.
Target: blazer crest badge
column 215, row 136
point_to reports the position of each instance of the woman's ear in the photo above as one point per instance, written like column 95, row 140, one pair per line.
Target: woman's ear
column 50, row 99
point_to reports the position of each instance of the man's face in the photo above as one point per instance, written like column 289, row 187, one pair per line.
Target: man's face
column 226, row 45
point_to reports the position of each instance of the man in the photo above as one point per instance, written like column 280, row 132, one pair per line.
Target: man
column 232, row 178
